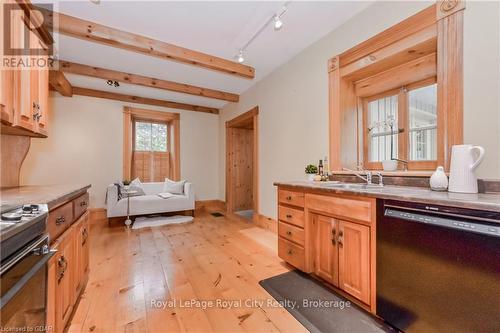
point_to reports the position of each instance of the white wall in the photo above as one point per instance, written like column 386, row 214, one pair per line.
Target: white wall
column 293, row 100
column 85, row 145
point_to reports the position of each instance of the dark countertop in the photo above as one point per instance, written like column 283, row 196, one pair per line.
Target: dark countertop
column 52, row 195
column 480, row 201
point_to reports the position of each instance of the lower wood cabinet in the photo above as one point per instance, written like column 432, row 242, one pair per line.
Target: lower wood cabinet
column 333, row 237
column 67, row 273
column 354, row 259
column 325, row 261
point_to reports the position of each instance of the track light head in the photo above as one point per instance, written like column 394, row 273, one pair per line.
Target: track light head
column 240, row 57
column 277, row 22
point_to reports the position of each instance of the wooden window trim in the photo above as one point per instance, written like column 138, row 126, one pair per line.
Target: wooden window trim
column 447, row 19
column 403, row 137
column 173, row 119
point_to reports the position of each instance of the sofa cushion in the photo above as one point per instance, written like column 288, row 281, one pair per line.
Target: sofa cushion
column 152, row 203
column 173, row 186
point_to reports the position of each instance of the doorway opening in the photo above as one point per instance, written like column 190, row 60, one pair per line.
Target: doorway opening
column 242, row 159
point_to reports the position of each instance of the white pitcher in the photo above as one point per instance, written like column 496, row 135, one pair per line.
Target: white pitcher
column 463, row 164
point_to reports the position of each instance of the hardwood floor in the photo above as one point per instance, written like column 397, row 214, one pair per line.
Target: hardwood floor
column 134, row 273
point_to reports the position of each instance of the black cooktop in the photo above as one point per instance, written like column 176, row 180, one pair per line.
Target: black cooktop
column 20, row 226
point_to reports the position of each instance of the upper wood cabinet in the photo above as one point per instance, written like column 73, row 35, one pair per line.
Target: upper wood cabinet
column 24, row 91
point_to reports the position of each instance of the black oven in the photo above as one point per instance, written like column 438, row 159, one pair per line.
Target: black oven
column 23, row 284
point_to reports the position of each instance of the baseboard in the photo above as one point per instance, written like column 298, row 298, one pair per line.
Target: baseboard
column 266, row 222
column 210, row 205
column 97, row 215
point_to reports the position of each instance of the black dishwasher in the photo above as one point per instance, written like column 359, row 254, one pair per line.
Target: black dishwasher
column 438, row 268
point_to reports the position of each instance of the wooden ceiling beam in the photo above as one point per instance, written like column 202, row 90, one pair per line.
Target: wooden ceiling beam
column 142, row 100
column 98, row 33
column 108, row 74
column 59, row 83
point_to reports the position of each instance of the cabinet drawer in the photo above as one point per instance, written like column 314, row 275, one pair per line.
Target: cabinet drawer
column 291, row 198
column 360, row 210
column 80, row 205
column 292, row 216
column 59, row 220
column 291, row 253
column 291, row 233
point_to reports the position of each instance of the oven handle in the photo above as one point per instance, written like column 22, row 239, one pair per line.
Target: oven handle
column 25, row 278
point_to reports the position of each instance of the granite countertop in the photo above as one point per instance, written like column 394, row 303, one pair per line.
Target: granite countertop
column 480, row 201
column 52, row 195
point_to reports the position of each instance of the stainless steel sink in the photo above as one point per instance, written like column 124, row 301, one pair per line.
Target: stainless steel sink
column 354, row 186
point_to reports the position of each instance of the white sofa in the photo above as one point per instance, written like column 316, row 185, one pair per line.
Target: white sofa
column 150, row 203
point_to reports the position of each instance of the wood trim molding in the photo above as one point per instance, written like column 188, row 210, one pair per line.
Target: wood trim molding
column 450, row 85
column 243, row 117
column 59, row 83
column 211, row 205
column 266, row 222
column 445, row 8
column 173, row 120
column 439, row 40
column 108, row 74
column 98, row 33
column 142, row 100
column 411, row 25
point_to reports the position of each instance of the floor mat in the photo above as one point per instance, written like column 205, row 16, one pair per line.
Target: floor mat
column 248, row 214
column 318, row 308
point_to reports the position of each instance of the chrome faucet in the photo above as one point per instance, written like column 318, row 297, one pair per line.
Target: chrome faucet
column 367, row 179
column 369, row 176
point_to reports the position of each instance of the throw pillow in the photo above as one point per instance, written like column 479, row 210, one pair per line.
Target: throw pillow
column 174, row 187
column 138, row 191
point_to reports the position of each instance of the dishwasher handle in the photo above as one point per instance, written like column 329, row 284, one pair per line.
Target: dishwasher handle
column 447, row 222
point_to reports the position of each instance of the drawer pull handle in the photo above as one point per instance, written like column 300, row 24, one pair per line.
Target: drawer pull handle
column 290, row 252
column 60, row 220
column 289, row 198
column 289, row 233
column 288, row 216
column 83, row 204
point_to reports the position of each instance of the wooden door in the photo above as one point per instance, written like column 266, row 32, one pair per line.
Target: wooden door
column 64, row 281
column 354, row 259
column 325, row 251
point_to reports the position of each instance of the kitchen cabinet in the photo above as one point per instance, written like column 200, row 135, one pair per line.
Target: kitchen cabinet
column 325, row 260
column 24, row 91
column 331, row 236
column 354, row 259
column 68, row 269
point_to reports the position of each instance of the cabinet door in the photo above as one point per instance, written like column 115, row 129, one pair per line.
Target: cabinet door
column 81, row 253
column 7, row 95
column 354, row 259
column 325, row 252
column 85, row 246
column 43, row 99
column 51, row 290
column 64, row 282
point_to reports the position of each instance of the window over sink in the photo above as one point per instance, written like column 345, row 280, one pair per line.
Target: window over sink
column 402, row 124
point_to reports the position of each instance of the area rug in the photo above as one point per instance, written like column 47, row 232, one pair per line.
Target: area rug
column 317, row 307
column 157, row 221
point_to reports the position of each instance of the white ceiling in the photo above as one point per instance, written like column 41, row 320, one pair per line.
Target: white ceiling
column 218, row 28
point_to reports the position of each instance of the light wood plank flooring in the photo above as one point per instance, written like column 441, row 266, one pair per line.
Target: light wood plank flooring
column 210, row 259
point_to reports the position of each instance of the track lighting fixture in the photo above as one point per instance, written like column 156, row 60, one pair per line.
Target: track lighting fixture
column 277, row 22
column 240, row 57
column 113, row 83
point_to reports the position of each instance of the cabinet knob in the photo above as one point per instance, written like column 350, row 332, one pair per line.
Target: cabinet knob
column 290, row 252
column 288, row 216
column 289, row 198
column 289, row 233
